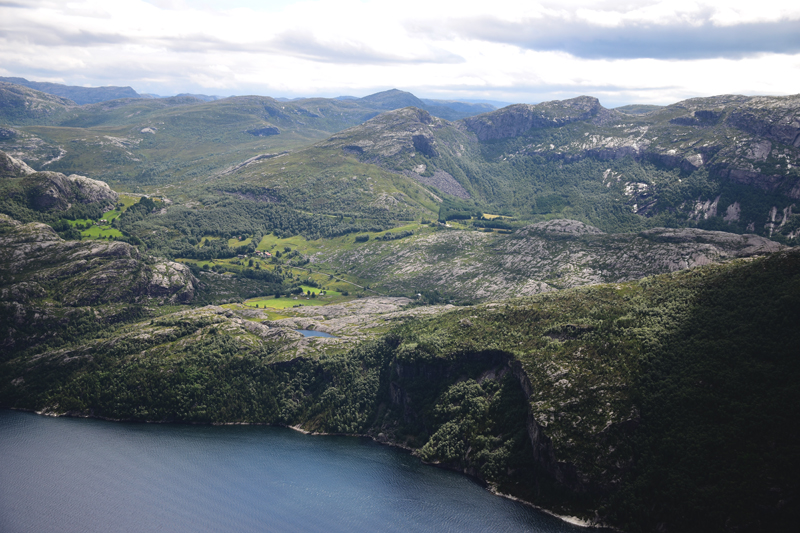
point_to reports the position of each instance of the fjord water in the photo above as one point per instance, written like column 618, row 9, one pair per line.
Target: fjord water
column 84, row 475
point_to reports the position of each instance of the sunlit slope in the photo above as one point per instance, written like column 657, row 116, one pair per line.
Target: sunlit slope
column 320, row 180
column 151, row 142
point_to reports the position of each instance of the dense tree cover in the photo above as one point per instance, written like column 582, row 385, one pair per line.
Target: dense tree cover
column 676, row 396
column 481, row 428
column 177, row 231
column 498, row 223
column 720, row 405
column 455, row 209
column 20, row 210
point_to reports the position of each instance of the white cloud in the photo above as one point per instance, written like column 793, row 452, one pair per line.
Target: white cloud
column 620, row 51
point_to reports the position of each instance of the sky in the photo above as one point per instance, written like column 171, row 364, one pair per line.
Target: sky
column 621, row 51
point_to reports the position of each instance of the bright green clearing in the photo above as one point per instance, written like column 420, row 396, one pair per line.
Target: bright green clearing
column 314, row 290
column 95, row 232
column 126, row 202
column 236, row 243
column 272, row 243
column 101, row 232
column 329, row 297
column 283, row 303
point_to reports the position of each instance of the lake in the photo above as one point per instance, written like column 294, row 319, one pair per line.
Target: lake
column 83, row 475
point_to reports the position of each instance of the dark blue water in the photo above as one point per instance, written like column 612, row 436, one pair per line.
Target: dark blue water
column 83, row 475
column 312, row 333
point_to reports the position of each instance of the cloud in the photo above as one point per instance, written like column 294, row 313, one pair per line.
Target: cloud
column 622, row 50
column 305, row 44
column 637, row 40
column 63, row 37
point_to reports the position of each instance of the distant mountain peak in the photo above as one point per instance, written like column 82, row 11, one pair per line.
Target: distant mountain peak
column 79, row 95
column 393, row 99
column 516, row 119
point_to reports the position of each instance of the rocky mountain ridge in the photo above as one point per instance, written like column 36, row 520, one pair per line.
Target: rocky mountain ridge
column 142, row 141
column 542, row 257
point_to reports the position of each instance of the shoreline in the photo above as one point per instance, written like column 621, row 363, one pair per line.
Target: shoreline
column 572, row 520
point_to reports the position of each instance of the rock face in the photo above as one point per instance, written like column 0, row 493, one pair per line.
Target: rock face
column 563, row 226
column 502, row 156
column 51, row 191
column 87, row 272
column 11, row 167
column 47, row 191
column 402, row 132
column 92, row 191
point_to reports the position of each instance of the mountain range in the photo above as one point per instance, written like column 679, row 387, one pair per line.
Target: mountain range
column 590, row 309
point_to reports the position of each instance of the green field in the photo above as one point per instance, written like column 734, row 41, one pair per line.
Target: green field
column 101, row 232
column 236, row 243
column 283, row 303
column 329, row 297
column 95, row 232
column 317, row 291
column 126, row 201
column 105, row 231
column 271, row 243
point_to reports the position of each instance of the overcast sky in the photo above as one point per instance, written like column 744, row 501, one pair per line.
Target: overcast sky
column 513, row 51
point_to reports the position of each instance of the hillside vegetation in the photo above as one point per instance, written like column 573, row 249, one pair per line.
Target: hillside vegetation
column 138, row 142
column 668, row 403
